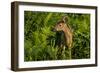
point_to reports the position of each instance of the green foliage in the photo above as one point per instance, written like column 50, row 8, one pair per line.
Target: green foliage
column 39, row 40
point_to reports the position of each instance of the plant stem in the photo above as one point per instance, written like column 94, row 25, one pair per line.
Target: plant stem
column 70, row 55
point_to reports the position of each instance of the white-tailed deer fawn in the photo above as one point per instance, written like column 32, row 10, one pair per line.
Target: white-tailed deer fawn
column 62, row 25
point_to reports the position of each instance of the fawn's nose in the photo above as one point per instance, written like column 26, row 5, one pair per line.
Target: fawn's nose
column 54, row 30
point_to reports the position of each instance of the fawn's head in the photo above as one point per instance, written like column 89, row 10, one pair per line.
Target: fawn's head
column 60, row 24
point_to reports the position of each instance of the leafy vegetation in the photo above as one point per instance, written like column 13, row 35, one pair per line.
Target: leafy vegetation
column 40, row 41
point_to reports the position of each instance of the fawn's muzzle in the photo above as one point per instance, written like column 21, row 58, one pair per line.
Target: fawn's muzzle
column 54, row 30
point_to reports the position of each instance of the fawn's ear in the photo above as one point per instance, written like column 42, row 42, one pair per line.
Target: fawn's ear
column 65, row 19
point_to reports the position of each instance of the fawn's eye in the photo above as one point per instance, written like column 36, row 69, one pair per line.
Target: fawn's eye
column 59, row 25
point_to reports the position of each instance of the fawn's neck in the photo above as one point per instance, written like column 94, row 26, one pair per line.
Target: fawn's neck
column 66, row 31
column 67, row 34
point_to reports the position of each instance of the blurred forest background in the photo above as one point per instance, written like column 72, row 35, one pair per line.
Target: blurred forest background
column 39, row 40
